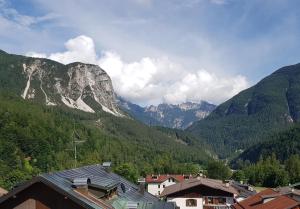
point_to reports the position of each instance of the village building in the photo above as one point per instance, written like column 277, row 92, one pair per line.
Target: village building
column 269, row 199
column 200, row 193
column 89, row 187
column 157, row 183
column 291, row 190
column 244, row 190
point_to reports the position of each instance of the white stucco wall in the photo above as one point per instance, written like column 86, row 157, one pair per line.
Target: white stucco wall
column 181, row 202
column 152, row 188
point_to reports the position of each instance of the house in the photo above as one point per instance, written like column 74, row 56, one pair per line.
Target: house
column 268, row 199
column 200, row 193
column 88, row 187
column 290, row 191
column 157, row 183
column 244, row 190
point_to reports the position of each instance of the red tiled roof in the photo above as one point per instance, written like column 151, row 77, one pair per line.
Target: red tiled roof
column 162, row 178
column 256, row 201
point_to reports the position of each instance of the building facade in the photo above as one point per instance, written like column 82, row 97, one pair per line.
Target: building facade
column 157, row 183
column 200, row 193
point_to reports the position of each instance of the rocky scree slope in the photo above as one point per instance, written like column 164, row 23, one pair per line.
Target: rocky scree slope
column 81, row 86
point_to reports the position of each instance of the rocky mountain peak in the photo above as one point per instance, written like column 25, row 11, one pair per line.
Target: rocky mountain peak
column 77, row 85
column 168, row 115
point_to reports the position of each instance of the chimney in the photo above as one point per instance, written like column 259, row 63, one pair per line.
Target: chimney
column 81, row 184
column 107, row 166
column 142, row 182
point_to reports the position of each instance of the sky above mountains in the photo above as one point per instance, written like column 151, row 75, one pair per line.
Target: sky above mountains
column 160, row 50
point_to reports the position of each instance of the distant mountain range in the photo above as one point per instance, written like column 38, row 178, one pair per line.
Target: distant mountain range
column 270, row 106
column 168, row 115
column 254, row 120
column 44, row 105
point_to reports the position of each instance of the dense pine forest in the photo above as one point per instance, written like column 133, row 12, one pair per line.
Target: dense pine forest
column 36, row 139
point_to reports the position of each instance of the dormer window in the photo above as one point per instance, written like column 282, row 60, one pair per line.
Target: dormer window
column 186, row 177
column 154, row 177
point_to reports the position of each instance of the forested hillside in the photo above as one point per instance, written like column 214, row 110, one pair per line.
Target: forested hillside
column 270, row 106
column 35, row 138
column 283, row 145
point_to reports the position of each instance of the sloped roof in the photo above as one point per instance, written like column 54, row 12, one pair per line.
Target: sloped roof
column 242, row 189
column 62, row 182
column 212, row 183
column 278, row 201
column 162, row 178
column 101, row 177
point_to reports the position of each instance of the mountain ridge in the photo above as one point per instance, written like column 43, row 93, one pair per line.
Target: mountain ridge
column 270, row 106
column 168, row 115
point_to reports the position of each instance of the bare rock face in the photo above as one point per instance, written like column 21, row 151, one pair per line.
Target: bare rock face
column 177, row 116
column 81, row 86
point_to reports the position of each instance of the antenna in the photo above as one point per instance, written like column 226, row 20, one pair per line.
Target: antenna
column 76, row 140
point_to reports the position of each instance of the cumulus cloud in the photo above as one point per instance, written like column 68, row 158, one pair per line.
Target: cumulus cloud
column 152, row 80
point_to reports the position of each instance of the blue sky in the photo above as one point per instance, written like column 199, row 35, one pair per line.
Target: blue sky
column 160, row 50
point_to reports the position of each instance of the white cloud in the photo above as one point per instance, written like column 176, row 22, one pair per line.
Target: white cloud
column 149, row 80
column 37, row 55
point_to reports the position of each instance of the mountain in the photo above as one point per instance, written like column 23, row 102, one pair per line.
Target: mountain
column 37, row 131
column 270, row 106
column 81, row 86
column 283, row 145
column 168, row 115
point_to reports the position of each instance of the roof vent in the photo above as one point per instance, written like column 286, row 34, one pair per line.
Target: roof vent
column 132, row 205
column 80, row 182
column 106, row 164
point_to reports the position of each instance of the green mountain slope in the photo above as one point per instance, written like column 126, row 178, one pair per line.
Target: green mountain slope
column 283, row 145
column 36, row 138
column 271, row 105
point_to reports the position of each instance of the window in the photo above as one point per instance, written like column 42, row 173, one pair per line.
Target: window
column 164, row 186
column 173, row 180
column 222, row 200
column 186, row 177
column 215, row 200
column 158, row 192
column 208, row 200
column 154, row 177
column 169, row 180
column 158, row 186
column 191, row 202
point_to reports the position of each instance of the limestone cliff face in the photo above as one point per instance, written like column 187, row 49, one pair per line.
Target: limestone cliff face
column 81, row 86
